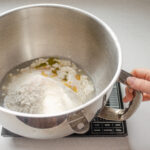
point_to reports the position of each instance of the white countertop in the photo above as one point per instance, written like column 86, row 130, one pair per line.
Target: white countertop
column 130, row 20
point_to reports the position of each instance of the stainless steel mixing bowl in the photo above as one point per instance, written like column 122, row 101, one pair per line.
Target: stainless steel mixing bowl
column 41, row 30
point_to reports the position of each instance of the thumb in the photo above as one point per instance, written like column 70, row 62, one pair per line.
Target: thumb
column 139, row 84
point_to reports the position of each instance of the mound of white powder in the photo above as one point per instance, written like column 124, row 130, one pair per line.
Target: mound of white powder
column 48, row 90
column 33, row 93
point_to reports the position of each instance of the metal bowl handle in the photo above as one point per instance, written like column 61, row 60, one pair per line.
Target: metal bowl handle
column 122, row 114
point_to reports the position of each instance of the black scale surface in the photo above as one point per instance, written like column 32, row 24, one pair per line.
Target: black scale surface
column 98, row 127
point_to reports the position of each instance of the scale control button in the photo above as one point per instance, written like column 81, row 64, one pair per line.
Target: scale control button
column 119, row 130
column 108, row 130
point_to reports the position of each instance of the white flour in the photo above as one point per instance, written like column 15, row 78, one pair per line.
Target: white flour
column 34, row 91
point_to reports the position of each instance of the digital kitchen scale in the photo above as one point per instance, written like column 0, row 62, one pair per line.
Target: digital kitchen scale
column 98, row 127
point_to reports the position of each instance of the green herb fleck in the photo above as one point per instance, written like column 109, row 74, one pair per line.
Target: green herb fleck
column 54, row 71
column 52, row 61
column 57, row 69
column 41, row 65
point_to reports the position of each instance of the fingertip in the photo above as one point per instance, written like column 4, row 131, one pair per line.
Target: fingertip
column 131, row 80
column 146, row 97
column 125, row 100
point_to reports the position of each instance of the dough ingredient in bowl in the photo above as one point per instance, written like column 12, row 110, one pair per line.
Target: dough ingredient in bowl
column 47, row 86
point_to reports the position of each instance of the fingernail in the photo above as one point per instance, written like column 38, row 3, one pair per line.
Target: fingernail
column 131, row 80
column 125, row 100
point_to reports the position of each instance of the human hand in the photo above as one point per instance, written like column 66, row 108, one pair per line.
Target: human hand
column 140, row 82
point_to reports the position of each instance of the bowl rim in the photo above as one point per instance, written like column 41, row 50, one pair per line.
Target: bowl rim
column 94, row 99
